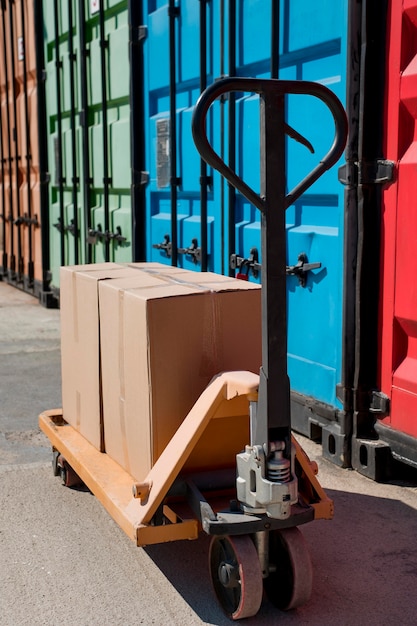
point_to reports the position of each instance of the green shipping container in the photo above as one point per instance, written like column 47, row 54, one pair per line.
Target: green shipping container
column 87, row 58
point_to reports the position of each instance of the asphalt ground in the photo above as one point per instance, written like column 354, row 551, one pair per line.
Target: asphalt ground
column 64, row 561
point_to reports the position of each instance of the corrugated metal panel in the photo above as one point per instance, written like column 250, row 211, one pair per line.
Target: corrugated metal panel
column 398, row 322
column 89, row 138
column 20, row 174
column 309, row 42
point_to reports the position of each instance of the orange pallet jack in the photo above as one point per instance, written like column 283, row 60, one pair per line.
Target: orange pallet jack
column 251, row 511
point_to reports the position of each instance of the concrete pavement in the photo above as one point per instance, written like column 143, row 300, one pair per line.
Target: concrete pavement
column 64, row 561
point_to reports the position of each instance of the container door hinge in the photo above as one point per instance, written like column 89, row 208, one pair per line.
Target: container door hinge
column 373, row 401
column 140, row 178
column 353, row 399
column 379, row 404
column 378, row 172
column 138, row 34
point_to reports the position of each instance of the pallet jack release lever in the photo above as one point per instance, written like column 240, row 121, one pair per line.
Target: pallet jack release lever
column 266, row 479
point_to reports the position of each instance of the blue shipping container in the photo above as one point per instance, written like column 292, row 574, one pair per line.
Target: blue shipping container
column 195, row 220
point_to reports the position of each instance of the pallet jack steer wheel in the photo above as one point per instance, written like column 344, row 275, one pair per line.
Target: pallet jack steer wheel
column 289, row 584
column 236, row 575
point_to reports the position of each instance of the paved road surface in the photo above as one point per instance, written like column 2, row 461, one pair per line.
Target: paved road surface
column 64, row 562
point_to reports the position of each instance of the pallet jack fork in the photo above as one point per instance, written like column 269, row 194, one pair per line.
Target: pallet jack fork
column 253, row 513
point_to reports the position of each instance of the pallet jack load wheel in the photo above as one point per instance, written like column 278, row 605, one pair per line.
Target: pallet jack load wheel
column 69, row 477
column 236, row 575
column 290, row 582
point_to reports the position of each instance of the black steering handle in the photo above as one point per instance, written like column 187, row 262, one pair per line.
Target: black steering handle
column 268, row 89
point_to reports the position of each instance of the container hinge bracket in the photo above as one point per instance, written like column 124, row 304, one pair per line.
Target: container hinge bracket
column 165, row 245
column 206, row 181
column 140, row 178
column 175, row 181
column 377, row 172
column 193, row 251
column 376, row 402
column 139, row 34
column 379, row 404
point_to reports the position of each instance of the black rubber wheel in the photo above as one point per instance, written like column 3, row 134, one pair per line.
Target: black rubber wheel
column 236, row 575
column 290, row 582
column 55, row 467
column 69, row 477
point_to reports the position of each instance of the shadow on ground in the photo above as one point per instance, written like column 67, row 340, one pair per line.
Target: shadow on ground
column 365, row 564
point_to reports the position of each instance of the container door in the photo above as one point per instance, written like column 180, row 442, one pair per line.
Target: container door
column 29, row 168
column 108, row 122
column 312, row 46
column 184, row 225
column 20, row 234
column 13, row 257
column 89, row 139
column 5, row 148
column 308, row 42
column 62, row 61
column 398, row 353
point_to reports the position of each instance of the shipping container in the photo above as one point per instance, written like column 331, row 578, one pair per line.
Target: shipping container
column 92, row 139
column 110, row 171
column 392, row 426
column 126, row 181
column 195, row 220
column 21, row 260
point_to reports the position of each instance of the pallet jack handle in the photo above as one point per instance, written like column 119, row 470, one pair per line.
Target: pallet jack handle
column 272, row 93
column 273, row 421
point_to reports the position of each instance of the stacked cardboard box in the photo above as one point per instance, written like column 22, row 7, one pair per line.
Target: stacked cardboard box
column 152, row 338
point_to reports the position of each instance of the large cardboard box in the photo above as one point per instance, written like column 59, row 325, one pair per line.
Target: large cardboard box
column 80, row 348
column 161, row 345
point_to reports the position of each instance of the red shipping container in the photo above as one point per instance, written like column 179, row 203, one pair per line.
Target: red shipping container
column 398, row 314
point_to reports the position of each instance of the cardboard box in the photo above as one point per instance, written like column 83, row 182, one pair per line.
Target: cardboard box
column 161, row 345
column 155, row 268
column 80, row 351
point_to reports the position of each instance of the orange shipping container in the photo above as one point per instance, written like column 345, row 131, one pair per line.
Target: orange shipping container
column 20, row 238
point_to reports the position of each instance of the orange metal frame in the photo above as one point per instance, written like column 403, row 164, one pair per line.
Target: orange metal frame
column 133, row 505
